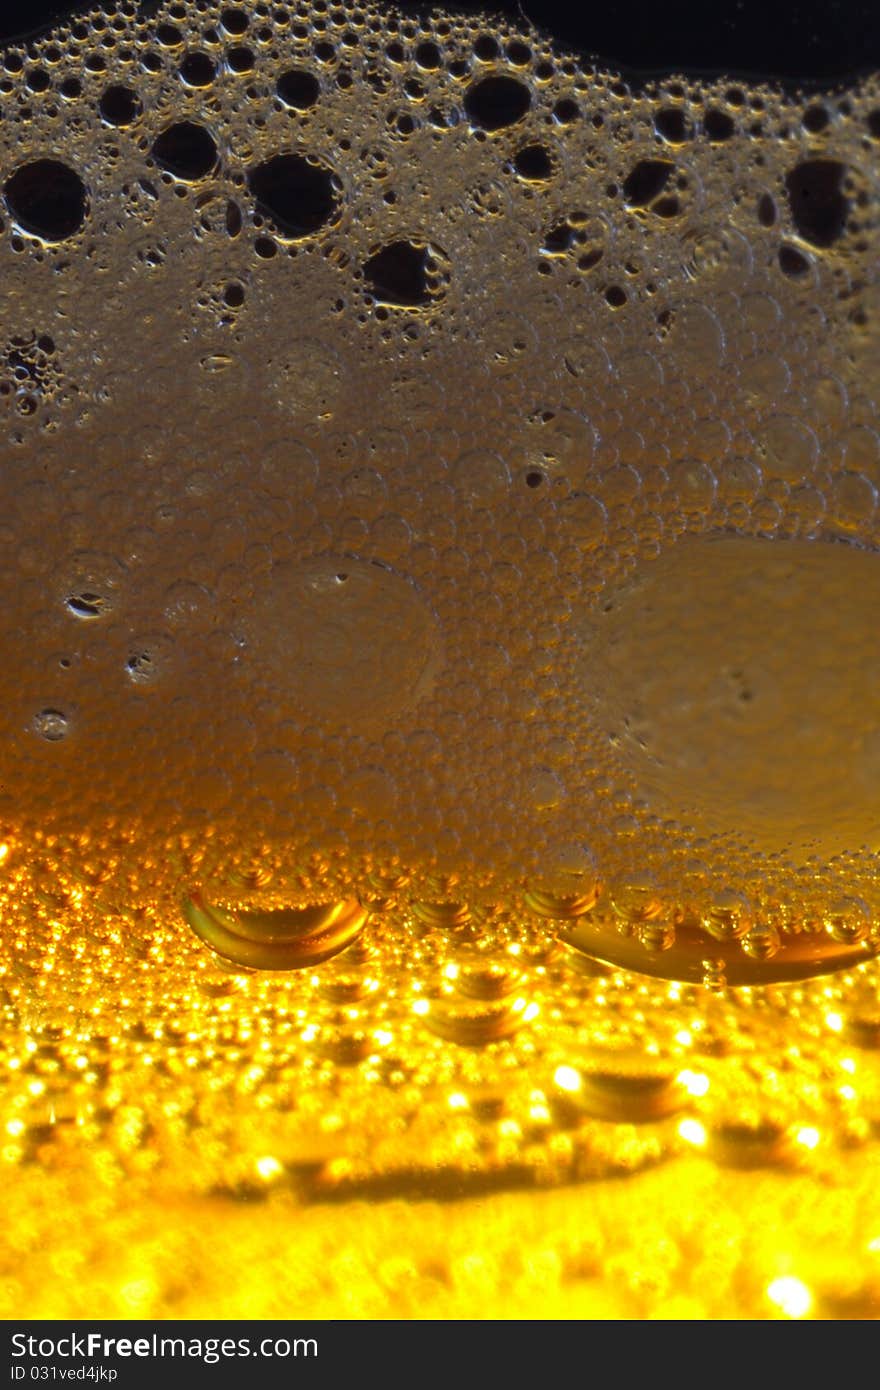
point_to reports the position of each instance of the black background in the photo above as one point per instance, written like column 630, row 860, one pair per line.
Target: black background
column 817, row 42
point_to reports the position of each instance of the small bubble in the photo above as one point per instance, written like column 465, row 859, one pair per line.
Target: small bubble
column 187, row 603
column 280, row 939
column 298, row 88
column 47, row 198
column 728, row 916
column 818, row 205
column 480, row 475
column 186, row 150
column 762, row 942
column 848, row 920
column 493, row 103
column 147, row 659
column 52, row 725
column 544, row 789
column 298, row 195
column 715, row 976
column 86, row 605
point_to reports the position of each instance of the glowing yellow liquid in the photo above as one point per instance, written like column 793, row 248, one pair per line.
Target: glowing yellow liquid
column 439, row 684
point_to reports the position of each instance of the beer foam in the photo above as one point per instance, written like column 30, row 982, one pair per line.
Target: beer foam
column 310, row 291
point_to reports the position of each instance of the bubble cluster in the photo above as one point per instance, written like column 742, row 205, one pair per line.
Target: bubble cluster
column 420, row 447
column 321, row 1060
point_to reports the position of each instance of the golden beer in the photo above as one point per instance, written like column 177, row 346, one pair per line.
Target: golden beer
column 440, row 676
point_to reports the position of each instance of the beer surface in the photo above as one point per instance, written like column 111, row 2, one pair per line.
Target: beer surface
column 438, row 525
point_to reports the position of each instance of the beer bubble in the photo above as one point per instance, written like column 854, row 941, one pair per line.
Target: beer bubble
column 347, row 640
column 149, row 657
column 762, row 942
column 728, row 916
column 277, row 939
column 848, row 920
column 725, row 730
column 620, row 1085
column 545, row 789
column 52, row 724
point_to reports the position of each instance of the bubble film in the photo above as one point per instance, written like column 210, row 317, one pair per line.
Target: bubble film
column 438, row 524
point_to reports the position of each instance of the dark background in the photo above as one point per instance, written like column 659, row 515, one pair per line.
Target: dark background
column 816, row 42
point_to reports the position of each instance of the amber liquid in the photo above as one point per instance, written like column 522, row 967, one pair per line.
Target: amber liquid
column 439, row 857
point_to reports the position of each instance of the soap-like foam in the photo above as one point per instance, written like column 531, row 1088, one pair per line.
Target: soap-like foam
column 353, row 369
